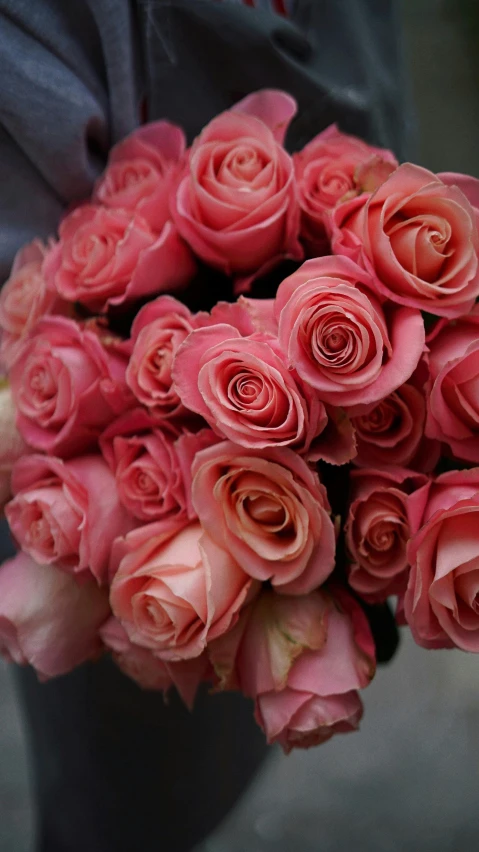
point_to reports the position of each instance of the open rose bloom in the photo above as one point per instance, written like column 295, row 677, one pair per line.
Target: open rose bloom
column 239, row 396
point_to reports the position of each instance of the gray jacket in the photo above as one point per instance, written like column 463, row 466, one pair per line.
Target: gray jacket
column 75, row 73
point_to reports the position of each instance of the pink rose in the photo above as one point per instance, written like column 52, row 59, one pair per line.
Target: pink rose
column 452, row 402
column 67, row 513
column 12, row 445
column 420, row 237
column 24, row 299
column 442, row 598
column 148, row 671
column 340, row 339
column 66, row 387
column 302, row 659
column 158, row 331
column 392, row 432
column 330, row 168
column 110, row 256
column 145, row 462
column 48, row 620
column 245, row 391
column 141, row 172
column 377, row 531
column 269, row 510
column 172, row 595
column 236, row 205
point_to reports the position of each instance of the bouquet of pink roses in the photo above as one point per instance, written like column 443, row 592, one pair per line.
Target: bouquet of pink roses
column 227, row 484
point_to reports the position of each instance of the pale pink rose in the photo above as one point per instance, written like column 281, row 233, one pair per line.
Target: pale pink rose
column 47, row 619
column 392, row 432
column 269, row 510
column 303, row 660
column 141, row 172
column 145, row 462
column 420, row 237
column 67, row 513
column 236, row 204
column 340, row 339
column 148, row 671
column 174, row 594
column 329, row 169
column 24, row 299
column 453, row 398
column 12, row 445
column 110, row 256
column 245, row 391
column 377, row 531
column 66, row 387
column 442, row 598
column 157, row 332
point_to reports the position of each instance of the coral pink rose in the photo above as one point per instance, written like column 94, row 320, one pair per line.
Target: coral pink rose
column 67, row 513
column 141, row 171
column 269, row 510
column 110, row 256
column 48, row 620
column 66, row 387
column 148, row 671
column 338, row 336
column 330, row 168
column 12, row 445
column 377, row 531
column 147, row 469
column 172, row 595
column 236, row 205
column 420, row 237
column 245, row 391
column 303, row 660
column 24, row 299
column 158, row 331
column 442, row 599
column 453, row 388
column 392, row 432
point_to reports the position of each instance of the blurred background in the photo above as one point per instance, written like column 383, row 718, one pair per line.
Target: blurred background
column 409, row 779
